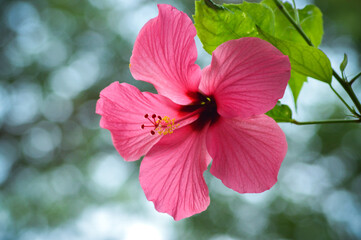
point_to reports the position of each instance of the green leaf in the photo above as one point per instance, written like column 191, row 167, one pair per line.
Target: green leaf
column 312, row 24
column 261, row 14
column 306, row 60
column 296, row 82
column 344, row 63
column 280, row 113
column 216, row 25
column 310, row 20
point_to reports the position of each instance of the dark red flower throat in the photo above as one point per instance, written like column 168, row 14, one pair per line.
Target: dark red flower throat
column 205, row 105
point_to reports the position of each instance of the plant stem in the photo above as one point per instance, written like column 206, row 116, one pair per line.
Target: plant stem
column 353, row 79
column 296, row 13
column 346, row 86
column 325, row 121
column 344, row 102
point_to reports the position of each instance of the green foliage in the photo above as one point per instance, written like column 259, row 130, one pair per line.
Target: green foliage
column 280, row 113
column 344, row 63
column 218, row 25
column 260, row 14
column 296, row 82
column 310, row 20
column 311, row 23
column 306, row 60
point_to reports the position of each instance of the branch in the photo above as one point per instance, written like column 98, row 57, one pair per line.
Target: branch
column 353, row 79
column 344, row 102
column 347, row 87
column 325, row 121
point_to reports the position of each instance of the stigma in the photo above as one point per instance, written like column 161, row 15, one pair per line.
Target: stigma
column 161, row 125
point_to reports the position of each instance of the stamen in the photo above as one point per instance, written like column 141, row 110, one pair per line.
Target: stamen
column 208, row 100
column 166, row 125
column 162, row 126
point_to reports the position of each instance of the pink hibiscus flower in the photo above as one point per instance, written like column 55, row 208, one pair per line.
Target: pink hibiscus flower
column 198, row 115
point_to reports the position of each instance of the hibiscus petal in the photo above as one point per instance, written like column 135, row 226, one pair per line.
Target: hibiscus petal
column 247, row 153
column 122, row 107
column 164, row 54
column 246, row 77
column 171, row 174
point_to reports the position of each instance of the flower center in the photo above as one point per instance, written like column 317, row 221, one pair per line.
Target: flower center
column 207, row 108
column 161, row 125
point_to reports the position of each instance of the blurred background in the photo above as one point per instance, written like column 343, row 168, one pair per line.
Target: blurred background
column 61, row 178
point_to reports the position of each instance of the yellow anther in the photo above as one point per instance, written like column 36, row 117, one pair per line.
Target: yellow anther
column 166, row 125
column 208, row 100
